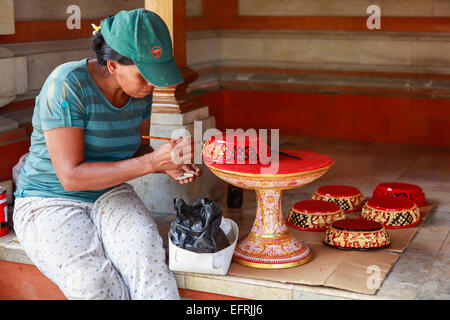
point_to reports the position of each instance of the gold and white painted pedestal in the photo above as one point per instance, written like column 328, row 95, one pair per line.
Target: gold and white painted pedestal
column 270, row 244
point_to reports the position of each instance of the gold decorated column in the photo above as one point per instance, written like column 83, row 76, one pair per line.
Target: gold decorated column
column 176, row 99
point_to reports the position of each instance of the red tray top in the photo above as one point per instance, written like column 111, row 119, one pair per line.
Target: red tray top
column 399, row 186
column 316, row 206
column 357, row 225
column 390, row 204
column 338, row 191
column 285, row 165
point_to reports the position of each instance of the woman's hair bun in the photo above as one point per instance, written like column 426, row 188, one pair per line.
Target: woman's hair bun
column 97, row 44
column 104, row 52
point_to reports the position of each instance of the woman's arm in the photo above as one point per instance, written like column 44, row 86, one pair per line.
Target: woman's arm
column 66, row 149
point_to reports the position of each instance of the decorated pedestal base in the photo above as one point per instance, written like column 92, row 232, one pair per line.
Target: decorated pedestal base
column 269, row 244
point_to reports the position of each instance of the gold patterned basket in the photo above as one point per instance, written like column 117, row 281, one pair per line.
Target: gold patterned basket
column 314, row 215
column 350, row 199
column 356, row 234
column 394, row 213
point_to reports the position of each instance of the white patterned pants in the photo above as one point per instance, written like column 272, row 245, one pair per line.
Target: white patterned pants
column 109, row 249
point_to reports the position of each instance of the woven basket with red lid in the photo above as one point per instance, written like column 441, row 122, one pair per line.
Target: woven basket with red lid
column 314, row 215
column 349, row 198
column 357, row 234
column 401, row 190
column 393, row 213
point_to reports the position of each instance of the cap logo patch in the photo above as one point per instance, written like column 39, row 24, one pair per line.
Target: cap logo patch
column 156, row 52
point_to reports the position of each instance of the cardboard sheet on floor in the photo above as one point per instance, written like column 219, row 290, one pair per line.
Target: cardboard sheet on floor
column 356, row 271
column 329, row 267
column 400, row 238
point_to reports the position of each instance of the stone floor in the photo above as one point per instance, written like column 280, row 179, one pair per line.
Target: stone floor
column 421, row 272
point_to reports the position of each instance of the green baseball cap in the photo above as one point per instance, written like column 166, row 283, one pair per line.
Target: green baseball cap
column 143, row 36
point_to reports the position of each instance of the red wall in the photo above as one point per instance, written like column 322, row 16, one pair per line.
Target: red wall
column 378, row 118
column 10, row 154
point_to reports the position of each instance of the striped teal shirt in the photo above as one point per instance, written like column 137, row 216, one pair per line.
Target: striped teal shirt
column 70, row 98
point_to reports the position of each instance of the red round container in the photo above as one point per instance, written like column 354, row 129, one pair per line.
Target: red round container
column 392, row 212
column 357, row 225
column 356, row 234
column 350, row 199
column 401, row 190
column 314, row 215
column 4, row 229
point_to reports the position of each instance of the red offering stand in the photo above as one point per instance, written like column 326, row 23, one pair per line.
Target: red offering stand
column 394, row 213
column 350, row 199
column 314, row 215
column 269, row 244
column 356, row 234
column 401, row 190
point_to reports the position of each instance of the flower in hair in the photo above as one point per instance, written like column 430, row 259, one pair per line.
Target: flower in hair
column 96, row 28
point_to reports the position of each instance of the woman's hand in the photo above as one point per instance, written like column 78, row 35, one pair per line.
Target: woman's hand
column 174, row 174
column 175, row 158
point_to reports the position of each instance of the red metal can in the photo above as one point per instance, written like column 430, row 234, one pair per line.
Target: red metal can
column 3, row 212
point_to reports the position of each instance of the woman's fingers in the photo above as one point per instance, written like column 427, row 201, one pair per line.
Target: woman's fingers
column 180, row 157
column 187, row 173
column 186, row 180
column 182, row 151
column 197, row 169
column 187, row 168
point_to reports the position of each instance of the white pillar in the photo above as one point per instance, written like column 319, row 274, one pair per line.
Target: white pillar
column 7, row 17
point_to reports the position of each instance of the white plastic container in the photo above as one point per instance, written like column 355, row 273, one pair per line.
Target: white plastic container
column 211, row 263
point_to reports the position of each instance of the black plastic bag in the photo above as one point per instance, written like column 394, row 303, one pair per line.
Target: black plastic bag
column 197, row 227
